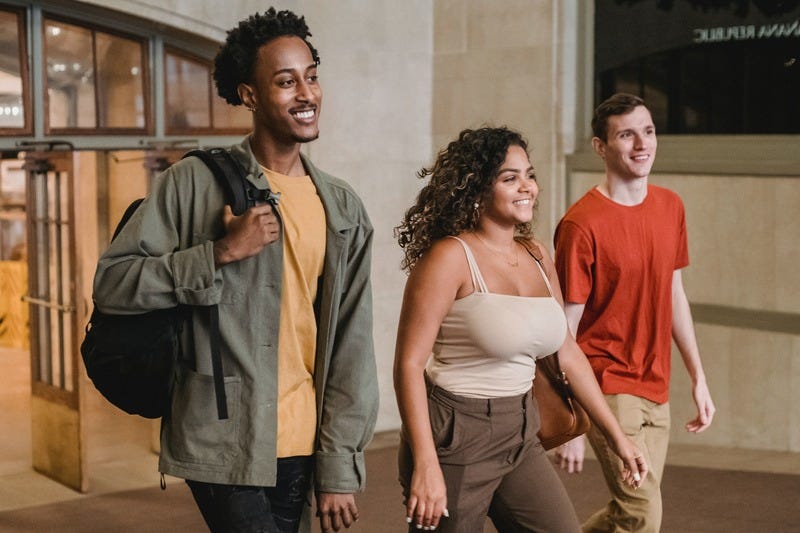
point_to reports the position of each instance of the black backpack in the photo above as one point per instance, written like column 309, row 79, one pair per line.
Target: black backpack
column 131, row 359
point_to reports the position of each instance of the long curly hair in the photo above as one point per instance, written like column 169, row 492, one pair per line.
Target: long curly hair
column 460, row 184
column 236, row 58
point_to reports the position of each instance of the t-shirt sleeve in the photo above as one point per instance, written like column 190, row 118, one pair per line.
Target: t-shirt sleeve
column 682, row 253
column 574, row 258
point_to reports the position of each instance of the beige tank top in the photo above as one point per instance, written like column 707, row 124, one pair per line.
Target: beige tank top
column 487, row 343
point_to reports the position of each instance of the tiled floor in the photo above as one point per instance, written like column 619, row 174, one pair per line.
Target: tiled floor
column 120, row 457
column 118, row 446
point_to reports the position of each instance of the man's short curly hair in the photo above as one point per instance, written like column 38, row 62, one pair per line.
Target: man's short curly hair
column 461, row 179
column 236, row 58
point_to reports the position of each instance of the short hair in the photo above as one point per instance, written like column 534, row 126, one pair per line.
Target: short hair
column 616, row 104
column 236, row 58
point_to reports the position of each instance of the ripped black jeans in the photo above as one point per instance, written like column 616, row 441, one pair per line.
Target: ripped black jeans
column 245, row 509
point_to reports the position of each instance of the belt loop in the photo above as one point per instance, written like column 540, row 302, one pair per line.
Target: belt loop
column 431, row 387
column 489, row 407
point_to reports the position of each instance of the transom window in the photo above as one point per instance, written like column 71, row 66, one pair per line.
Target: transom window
column 15, row 115
column 103, row 81
column 192, row 104
column 94, row 80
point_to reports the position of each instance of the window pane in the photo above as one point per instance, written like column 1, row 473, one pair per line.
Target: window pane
column 655, row 88
column 723, row 70
column 120, row 85
column 230, row 117
column 70, row 75
column 11, row 102
column 187, row 87
column 695, row 106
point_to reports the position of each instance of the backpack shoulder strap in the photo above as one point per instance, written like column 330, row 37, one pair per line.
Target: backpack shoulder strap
column 239, row 192
column 126, row 216
column 229, row 174
column 231, row 178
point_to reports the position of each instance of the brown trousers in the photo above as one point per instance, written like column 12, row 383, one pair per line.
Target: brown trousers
column 493, row 465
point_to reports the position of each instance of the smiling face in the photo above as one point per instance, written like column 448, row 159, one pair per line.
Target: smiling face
column 514, row 190
column 630, row 149
column 285, row 92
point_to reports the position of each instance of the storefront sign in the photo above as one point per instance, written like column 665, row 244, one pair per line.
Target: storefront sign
column 747, row 33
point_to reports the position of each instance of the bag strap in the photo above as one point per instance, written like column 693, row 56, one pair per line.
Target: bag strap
column 240, row 193
column 126, row 216
column 550, row 366
column 230, row 175
column 216, row 363
column 231, row 167
column 536, row 253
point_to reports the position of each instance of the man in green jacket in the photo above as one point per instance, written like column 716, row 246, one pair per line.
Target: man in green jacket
column 293, row 288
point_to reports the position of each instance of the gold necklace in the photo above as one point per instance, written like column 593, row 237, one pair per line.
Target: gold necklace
column 504, row 255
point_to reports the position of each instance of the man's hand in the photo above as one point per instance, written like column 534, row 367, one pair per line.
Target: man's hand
column 569, row 455
column 246, row 235
column 705, row 408
column 335, row 511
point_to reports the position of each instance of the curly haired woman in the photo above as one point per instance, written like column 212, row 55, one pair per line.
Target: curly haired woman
column 478, row 310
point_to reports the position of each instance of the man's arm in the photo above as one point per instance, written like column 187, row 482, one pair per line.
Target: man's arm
column 350, row 402
column 570, row 455
column 574, row 313
column 684, row 336
column 151, row 264
column 574, row 256
column 350, row 396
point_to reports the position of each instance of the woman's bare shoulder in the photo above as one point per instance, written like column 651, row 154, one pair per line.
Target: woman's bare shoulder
column 447, row 252
column 444, row 267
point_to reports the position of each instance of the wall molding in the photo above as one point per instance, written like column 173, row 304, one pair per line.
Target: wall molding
column 728, row 155
column 742, row 318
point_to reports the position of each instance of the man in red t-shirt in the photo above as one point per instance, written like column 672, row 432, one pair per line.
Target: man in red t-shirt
column 619, row 254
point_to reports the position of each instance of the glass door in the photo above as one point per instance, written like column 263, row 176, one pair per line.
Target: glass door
column 58, row 431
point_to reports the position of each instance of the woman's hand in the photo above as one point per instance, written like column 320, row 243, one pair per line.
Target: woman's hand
column 634, row 466
column 427, row 502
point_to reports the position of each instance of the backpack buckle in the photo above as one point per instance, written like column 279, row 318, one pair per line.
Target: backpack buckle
column 263, row 196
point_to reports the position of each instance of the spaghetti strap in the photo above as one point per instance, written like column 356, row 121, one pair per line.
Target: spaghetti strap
column 477, row 278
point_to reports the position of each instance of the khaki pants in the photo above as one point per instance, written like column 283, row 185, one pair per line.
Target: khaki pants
column 493, row 465
column 647, row 424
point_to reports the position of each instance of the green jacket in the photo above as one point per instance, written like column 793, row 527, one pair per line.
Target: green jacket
column 164, row 257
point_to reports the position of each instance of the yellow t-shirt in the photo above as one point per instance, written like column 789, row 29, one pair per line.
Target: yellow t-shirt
column 303, row 220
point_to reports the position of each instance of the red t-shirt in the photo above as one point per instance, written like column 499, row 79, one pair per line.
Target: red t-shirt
column 619, row 261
